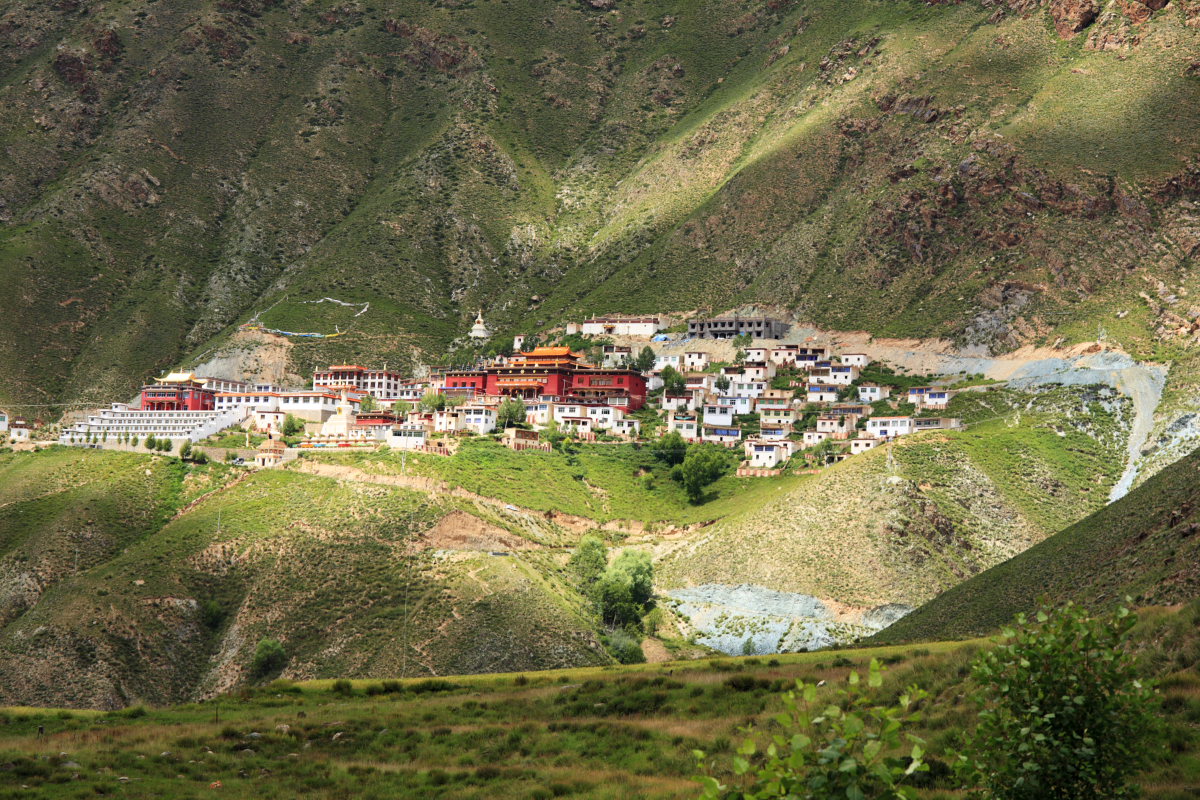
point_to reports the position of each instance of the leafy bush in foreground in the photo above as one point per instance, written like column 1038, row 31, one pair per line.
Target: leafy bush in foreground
column 836, row 751
column 1062, row 712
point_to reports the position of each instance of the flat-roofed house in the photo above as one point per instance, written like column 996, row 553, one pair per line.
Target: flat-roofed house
column 679, row 402
column 725, row 435
column 759, row 370
column 761, row 454
column 719, row 414
column 842, row 375
column 889, row 427
column 930, row 397
column 477, row 418
column 685, row 425
column 813, row 438
column 854, row 359
column 862, row 444
column 822, row 393
column 873, row 392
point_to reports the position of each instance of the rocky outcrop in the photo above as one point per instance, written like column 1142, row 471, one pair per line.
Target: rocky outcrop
column 1072, row 16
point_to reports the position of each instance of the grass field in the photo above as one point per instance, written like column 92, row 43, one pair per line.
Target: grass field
column 613, row 732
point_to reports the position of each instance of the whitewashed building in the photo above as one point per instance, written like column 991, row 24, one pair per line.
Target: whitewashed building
column 724, row 435
column 814, row 438
column 762, row 454
column 479, row 419
column 873, row 392
column 408, row 435
column 862, row 444
column 842, row 375
column 617, row 326
column 821, row 393
column 695, row 360
column 889, row 427
column 718, row 414
column 685, row 425
column 121, row 421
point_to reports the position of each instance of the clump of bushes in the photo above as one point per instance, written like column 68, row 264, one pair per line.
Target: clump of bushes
column 269, row 658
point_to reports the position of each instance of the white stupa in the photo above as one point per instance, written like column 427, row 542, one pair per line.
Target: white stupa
column 480, row 331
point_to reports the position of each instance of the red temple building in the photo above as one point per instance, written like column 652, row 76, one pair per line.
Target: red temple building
column 554, row 371
column 179, row 391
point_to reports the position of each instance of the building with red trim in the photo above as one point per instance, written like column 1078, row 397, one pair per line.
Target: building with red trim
column 179, row 391
column 555, row 372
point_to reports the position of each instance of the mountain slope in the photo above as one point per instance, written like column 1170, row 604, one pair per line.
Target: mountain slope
column 1145, row 546
column 946, row 169
column 903, row 522
column 353, row 579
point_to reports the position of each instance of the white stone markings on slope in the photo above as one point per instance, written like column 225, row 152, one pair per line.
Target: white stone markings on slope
column 726, row 617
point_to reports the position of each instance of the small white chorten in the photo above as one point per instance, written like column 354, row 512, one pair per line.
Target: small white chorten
column 480, row 331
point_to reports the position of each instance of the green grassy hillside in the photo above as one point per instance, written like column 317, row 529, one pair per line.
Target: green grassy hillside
column 601, row 733
column 900, row 523
column 1145, row 546
column 136, row 578
column 170, row 601
column 170, row 170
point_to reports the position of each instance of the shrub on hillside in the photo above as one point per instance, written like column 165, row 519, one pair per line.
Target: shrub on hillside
column 211, row 614
column 1062, row 710
column 269, row 658
column 670, row 448
column 702, row 465
column 589, row 560
column 625, row 647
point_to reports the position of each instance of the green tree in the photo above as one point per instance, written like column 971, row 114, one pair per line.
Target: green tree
column 840, row 749
column 292, row 426
column 645, row 359
column 723, row 383
column 673, row 382
column 670, row 448
column 739, row 357
column 151, row 443
column 702, row 465
column 165, row 445
column 269, row 658
column 433, row 401
column 367, row 403
column 1063, row 713
column 511, row 413
column 614, row 595
column 186, row 450
column 590, row 560
column 635, row 569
